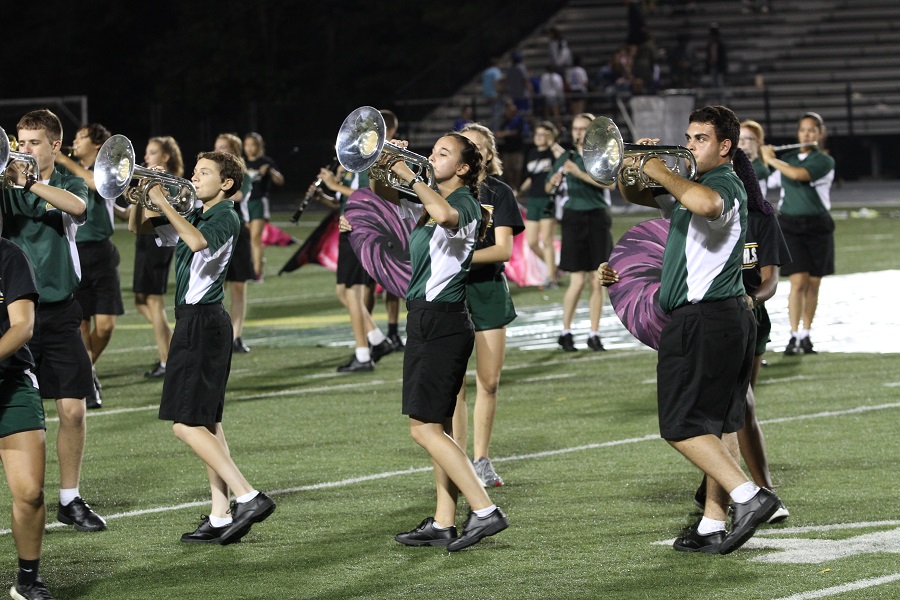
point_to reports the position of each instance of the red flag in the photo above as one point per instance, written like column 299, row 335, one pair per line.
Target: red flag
column 321, row 247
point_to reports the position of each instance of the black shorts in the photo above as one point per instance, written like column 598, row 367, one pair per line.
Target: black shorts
column 586, row 239
column 349, row 270
column 198, row 366
column 63, row 367
column 763, row 329
column 705, row 360
column 99, row 291
column 151, row 266
column 241, row 266
column 810, row 241
column 439, row 342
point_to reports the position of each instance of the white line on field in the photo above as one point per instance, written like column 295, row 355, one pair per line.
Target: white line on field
column 388, row 474
column 847, row 587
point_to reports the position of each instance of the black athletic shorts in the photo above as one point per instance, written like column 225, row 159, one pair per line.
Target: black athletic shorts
column 241, row 266
column 439, row 342
column 100, row 291
column 586, row 239
column 198, row 366
column 349, row 270
column 151, row 266
column 63, row 367
column 705, row 359
column 810, row 241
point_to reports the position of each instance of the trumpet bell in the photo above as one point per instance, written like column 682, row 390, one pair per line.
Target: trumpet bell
column 360, row 139
column 114, row 167
column 603, row 150
column 5, row 149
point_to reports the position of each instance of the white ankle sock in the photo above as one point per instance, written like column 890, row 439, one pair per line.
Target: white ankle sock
column 375, row 337
column 707, row 526
column 219, row 521
column 744, row 492
column 247, row 497
column 438, row 526
column 67, row 495
column 363, row 355
column 803, row 334
column 482, row 513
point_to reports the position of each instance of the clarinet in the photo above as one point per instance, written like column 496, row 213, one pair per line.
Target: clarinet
column 310, row 193
column 569, row 155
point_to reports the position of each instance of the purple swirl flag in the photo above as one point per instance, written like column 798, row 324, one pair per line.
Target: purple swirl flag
column 380, row 239
column 638, row 259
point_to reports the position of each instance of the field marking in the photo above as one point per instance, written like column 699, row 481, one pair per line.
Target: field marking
column 412, row 470
column 847, row 587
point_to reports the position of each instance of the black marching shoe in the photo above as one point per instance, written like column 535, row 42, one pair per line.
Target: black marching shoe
column 426, row 534
column 806, row 346
column 793, row 348
column 595, row 344
column 693, row 541
column 244, row 515
column 567, row 343
column 36, row 590
column 239, row 346
column 355, row 366
column 382, row 349
column 156, row 372
column 477, row 528
column 397, row 341
column 747, row 516
column 79, row 514
column 95, row 400
column 204, row 534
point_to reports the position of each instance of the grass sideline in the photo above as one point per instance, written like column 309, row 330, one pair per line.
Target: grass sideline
column 590, row 487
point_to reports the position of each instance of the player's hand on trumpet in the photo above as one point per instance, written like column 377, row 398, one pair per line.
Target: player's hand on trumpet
column 607, row 275
column 399, row 167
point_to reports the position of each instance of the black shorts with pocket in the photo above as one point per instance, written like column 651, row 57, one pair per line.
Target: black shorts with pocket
column 151, row 266
column 63, row 367
column 350, row 271
column 810, row 240
column 241, row 266
column 586, row 239
column 99, row 291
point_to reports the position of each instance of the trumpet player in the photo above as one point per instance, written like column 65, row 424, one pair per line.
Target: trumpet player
column 202, row 341
column 99, row 292
column 40, row 215
column 706, row 348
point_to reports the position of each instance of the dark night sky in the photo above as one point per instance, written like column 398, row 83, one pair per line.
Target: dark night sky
column 291, row 70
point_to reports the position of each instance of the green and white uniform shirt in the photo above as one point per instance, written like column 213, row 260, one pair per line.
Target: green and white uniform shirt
column 807, row 198
column 762, row 174
column 100, row 224
column 200, row 276
column 47, row 235
column 354, row 181
column 441, row 257
column 703, row 259
column 241, row 207
column 576, row 194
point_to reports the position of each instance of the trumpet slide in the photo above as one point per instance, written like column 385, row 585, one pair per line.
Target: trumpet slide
column 604, row 153
column 361, row 145
column 114, row 170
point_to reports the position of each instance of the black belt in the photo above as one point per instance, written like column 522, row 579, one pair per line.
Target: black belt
column 447, row 307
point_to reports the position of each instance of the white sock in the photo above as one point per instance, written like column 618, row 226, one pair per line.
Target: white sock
column 247, row 497
column 219, row 521
column 375, row 337
column 565, row 332
column 707, row 526
column 744, row 492
column 438, row 526
column 162, row 364
column 482, row 513
column 803, row 334
column 363, row 355
column 67, row 495
column 594, row 334
column 794, row 334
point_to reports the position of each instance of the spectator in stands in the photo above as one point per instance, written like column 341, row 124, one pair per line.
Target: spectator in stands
column 518, row 83
column 553, row 93
column 559, row 53
column 491, row 84
column 465, row 117
column 716, row 57
column 511, row 135
column 577, row 82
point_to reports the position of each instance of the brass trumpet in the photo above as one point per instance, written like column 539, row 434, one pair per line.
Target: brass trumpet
column 8, row 155
column 604, row 153
column 361, row 145
column 115, row 169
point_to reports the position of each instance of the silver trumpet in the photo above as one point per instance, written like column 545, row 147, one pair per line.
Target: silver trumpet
column 795, row 146
column 604, row 153
column 115, row 168
column 361, row 145
column 8, row 156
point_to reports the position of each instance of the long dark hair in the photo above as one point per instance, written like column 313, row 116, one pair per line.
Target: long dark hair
column 743, row 168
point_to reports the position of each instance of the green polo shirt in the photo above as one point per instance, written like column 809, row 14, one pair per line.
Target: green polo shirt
column 46, row 235
column 582, row 195
column 703, row 259
column 808, row 198
column 99, row 225
column 353, row 180
column 441, row 257
column 200, row 276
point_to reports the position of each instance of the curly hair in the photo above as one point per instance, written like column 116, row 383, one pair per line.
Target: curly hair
column 725, row 123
